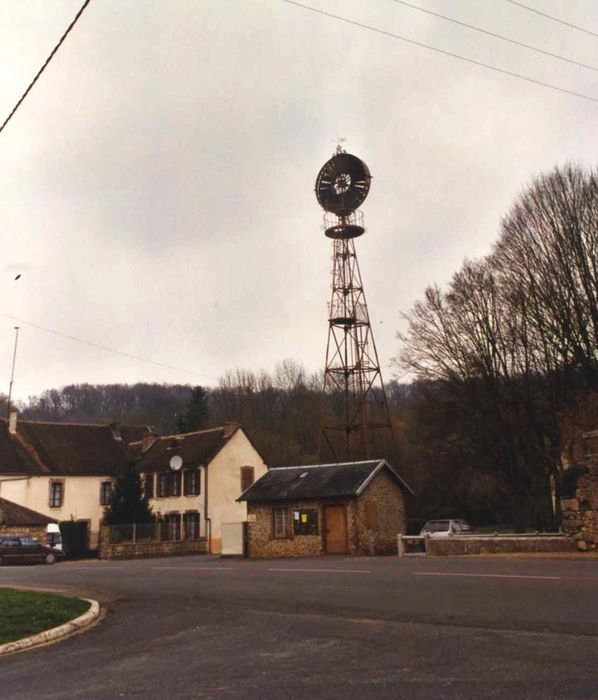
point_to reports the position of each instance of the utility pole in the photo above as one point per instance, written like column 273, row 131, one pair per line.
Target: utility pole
column 12, row 372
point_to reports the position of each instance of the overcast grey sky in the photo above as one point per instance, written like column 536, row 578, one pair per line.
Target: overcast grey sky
column 157, row 185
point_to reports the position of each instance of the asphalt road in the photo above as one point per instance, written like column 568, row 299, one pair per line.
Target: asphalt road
column 203, row 627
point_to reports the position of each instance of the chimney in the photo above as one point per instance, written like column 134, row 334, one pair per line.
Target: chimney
column 229, row 428
column 12, row 423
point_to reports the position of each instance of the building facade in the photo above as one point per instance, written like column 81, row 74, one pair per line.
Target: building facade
column 216, row 466
column 65, row 471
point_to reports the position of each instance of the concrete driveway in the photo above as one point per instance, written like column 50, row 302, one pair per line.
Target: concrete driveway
column 202, row 627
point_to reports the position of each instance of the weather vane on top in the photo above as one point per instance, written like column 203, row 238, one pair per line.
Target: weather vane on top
column 338, row 140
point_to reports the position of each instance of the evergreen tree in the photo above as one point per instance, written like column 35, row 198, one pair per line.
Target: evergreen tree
column 197, row 413
column 128, row 503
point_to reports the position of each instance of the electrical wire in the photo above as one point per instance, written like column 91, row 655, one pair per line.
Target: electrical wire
column 43, row 68
column 554, row 19
column 441, row 51
column 496, row 36
column 106, row 349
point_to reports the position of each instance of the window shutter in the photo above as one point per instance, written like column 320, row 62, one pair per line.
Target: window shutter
column 371, row 515
column 247, row 477
column 148, row 481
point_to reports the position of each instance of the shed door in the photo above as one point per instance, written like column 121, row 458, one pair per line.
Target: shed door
column 336, row 530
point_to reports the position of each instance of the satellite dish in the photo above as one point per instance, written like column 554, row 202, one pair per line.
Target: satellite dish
column 176, row 463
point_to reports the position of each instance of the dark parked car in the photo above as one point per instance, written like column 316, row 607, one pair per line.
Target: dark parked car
column 26, row 550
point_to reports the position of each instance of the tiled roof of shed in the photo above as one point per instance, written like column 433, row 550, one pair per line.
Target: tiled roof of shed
column 195, row 448
column 318, row 481
column 14, row 514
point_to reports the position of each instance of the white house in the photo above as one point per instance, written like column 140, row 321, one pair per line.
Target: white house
column 63, row 470
column 216, row 466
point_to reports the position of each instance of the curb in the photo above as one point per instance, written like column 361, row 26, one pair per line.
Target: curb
column 55, row 633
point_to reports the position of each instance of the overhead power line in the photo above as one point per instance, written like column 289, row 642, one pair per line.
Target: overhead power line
column 43, row 68
column 554, row 19
column 106, row 349
column 441, row 51
column 497, row 36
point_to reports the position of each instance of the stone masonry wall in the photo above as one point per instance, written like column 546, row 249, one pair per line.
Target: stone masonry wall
column 38, row 532
column 580, row 514
column 262, row 544
column 147, row 550
column 380, row 517
column 468, row 544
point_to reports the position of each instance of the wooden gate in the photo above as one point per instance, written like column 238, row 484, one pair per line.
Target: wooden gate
column 336, row 529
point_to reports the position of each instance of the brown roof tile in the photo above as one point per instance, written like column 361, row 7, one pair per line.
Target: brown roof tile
column 194, row 448
column 74, row 448
column 16, row 457
column 14, row 514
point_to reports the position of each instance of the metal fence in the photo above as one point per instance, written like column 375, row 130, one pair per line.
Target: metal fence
column 159, row 531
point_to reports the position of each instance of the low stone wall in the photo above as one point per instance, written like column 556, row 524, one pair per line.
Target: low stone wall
column 497, row 545
column 146, row 550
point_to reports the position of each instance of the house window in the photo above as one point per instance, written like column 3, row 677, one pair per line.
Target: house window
column 172, row 526
column 163, row 485
column 191, row 525
column 175, row 484
column 247, row 478
column 305, row 522
column 280, row 522
column 191, row 484
column 105, row 493
column 56, row 495
column 148, row 485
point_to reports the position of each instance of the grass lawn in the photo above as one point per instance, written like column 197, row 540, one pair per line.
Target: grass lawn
column 23, row 613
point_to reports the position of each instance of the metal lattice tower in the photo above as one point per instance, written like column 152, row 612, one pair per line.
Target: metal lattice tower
column 355, row 420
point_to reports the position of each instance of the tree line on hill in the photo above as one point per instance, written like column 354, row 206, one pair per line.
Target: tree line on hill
column 504, row 368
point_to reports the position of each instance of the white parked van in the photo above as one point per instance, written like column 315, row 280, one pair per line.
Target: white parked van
column 53, row 536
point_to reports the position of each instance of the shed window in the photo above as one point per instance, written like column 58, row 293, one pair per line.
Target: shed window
column 56, row 495
column 280, row 522
column 247, row 478
column 305, row 522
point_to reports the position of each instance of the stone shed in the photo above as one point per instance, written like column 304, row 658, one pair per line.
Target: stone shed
column 18, row 520
column 354, row 508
